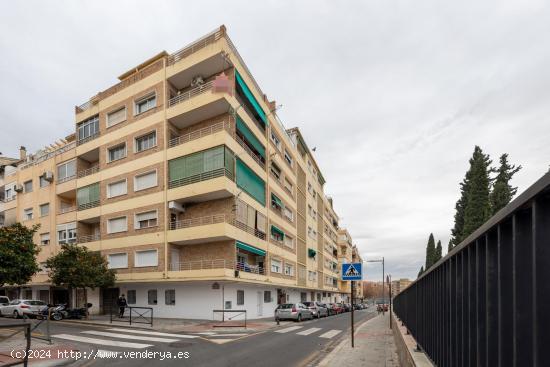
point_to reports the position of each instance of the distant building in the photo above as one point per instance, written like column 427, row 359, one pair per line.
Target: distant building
column 397, row 286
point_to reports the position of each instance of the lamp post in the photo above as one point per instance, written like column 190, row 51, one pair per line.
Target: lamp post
column 383, row 278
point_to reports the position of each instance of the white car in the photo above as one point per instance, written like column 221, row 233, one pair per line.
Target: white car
column 19, row 307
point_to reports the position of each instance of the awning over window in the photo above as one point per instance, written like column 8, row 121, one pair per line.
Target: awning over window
column 277, row 231
column 276, row 200
column 249, row 182
column 252, row 249
column 248, row 94
column 249, row 135
column 311, row 252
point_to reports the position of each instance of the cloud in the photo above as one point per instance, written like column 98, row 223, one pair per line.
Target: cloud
column 393, row 94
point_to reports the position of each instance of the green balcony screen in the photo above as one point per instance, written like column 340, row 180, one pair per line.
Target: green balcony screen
column 201, row 162
column 250, row 97
column 250, row 137
column 249, row 182
column 88, row 194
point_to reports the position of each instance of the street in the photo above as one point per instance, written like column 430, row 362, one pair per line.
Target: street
column 290, row 344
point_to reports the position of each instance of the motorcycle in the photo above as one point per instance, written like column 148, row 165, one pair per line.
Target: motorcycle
column 61, row 312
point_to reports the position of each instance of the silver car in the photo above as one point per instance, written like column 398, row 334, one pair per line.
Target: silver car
column 19, row 307
column 293, row 311
column 318, row 309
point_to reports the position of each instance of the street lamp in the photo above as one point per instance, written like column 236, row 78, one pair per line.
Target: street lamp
column 383, row 278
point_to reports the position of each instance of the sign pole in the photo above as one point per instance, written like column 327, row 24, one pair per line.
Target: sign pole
column 352, row 324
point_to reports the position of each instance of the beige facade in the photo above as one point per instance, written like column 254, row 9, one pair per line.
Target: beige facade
column 181, row 173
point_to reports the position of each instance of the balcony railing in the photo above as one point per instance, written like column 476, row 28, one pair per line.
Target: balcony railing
column 190, row 94
column 7, row 200
column 66, row 179
column 89, row 205
column 217, row 264
column 220, row 172
column 36, row 159
column 89, row 238
column 248, row 150
column 222, row 125
column 249, row 268
column 88, row 171
column 214, row 219
column 88, row 138
column 66, row 210
column 195, row 46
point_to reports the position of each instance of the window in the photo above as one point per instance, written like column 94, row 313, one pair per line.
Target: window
column 116, row 116
column 44, row 209
column 88, row 196
column 66, row 170
column 43, row 181
column 88, row 128
column 145, row 103
column 117, row 261
column 117, row 152
column 145, row 180
column 275, row 139
column 288, row 158
column 288, row 185
column 66, row 233
column 146, row 142
column 131, row 299
column 276, row 171
column 44, row 239
column 277, row 234
column 309, row 187
column 152, row 296
column 170, row 297
column 116, row 225
column 267, row 297
column 289, row 269
column 146, row 220
column 289, row 241
column 28, row 186
column 275, row 266
column 43, row 269
column 240, row 297
column 118, row 188
column 27, row 214
column 288, row 214
column 276, row 203
column 312, row 276
column 146, row 258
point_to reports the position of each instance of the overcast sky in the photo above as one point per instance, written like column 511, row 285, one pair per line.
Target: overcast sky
column 394, row 94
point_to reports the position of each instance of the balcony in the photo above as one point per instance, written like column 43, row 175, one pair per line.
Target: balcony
column 186, row 138
column 88, row 238
column 190, row 94
column 89, row 205
column 87, row 139
column 67, row 209
column 220, row 172
column 88, row 171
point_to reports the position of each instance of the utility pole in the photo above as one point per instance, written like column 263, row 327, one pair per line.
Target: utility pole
column 389, row 294
column 383, row 279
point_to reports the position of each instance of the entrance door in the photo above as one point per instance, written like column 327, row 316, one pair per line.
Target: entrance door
column 260, row 304
column 44, row 295
column 108, row 302
column 175, row 259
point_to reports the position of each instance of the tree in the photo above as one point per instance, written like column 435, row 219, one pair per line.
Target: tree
column 450, row 246
column 421, row 271
column 17, row 254
column 430, row 252
column 438, row 252
column 478, row 206
column 75, row 267
column 460, row 205
column 502, row 192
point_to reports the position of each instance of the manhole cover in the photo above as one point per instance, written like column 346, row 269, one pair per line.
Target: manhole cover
column 180, row 344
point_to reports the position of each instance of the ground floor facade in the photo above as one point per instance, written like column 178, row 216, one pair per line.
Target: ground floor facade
column 190, row 300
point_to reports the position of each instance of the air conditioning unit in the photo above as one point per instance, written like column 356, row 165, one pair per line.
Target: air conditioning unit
column 48, row 176
column 174, row 205
column 18, row 188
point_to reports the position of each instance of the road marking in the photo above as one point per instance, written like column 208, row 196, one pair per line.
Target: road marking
column 153, row 333
column 309, row 331
column 288, row 329
column 330, row 334
column 220, row 341
column 113, row 343
column 131, row 337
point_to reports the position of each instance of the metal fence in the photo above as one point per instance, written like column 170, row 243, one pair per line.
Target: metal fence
column 487, row 302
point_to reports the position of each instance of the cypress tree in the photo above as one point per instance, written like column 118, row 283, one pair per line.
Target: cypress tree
column 450, row 246
column 460, row 205
column 421, row 271
column 430, row 252
column 502, row 192
column 438, row 252
column 478, row 207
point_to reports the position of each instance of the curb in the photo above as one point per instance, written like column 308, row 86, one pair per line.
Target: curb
column 53, row 362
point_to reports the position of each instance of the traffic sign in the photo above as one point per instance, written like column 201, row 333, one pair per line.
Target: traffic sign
column 352, row 271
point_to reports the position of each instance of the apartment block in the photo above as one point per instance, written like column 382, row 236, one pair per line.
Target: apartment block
column 184, row 178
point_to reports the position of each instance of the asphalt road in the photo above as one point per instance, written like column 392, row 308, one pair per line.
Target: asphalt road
column 291, row 344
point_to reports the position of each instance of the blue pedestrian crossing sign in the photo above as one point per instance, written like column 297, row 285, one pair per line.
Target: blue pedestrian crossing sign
column 352, row 271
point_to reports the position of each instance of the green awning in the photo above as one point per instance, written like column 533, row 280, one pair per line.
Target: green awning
column 276, row 200
column 250, row 182
column 246, row 91
column 278, row 231
column 249, row 135
column 311, row 252
column 254, row 250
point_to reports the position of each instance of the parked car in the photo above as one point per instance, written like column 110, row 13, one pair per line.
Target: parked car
column 318, row 309
column 19, row 307
column 293, row 311
column 358, row 306
column 346, row 307
column 334, row 308
column 4, row 301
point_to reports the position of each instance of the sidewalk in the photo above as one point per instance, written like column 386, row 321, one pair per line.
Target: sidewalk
column 374, row 347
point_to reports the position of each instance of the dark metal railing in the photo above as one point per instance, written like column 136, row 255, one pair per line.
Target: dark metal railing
column 9, row 332
column 486, row 302
column 132, row 315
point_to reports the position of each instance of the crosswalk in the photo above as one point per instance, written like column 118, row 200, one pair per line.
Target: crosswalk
column 325, row 335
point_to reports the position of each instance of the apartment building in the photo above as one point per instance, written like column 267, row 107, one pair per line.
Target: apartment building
column 397, row 286
column 7, row 168
column 184, row 178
